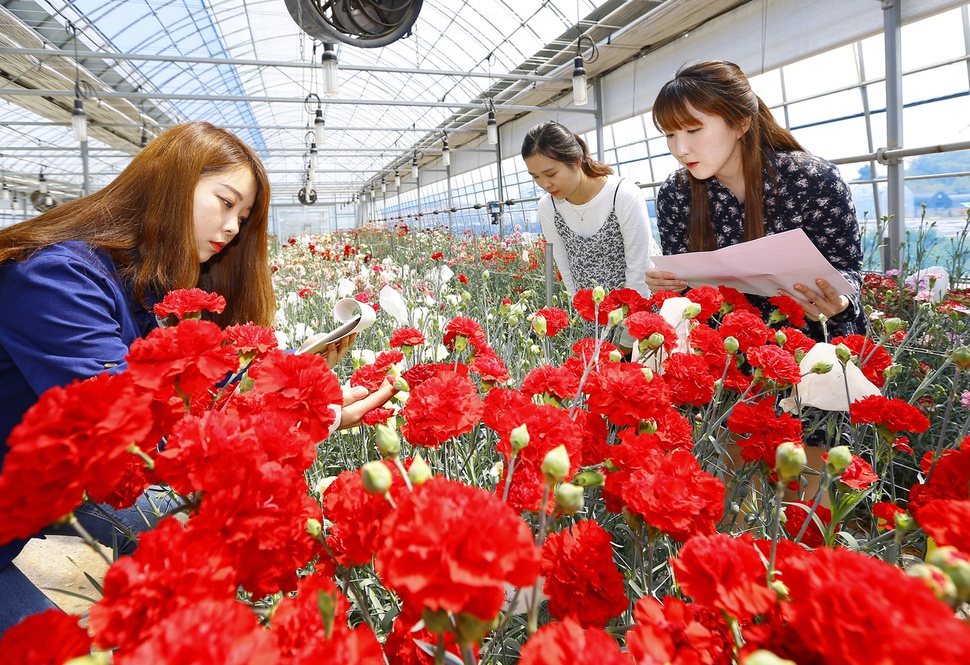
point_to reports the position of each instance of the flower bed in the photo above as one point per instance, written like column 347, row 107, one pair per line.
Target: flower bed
column 529, row 495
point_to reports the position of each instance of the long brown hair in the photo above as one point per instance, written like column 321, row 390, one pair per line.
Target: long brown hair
column 720, row 88
column 555, row 141
column 144, row 220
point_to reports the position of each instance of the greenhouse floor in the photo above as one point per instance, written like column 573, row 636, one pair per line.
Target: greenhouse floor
column 57, row 564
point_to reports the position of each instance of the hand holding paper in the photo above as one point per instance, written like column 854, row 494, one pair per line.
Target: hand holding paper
column 353, row 316
column 759, row 267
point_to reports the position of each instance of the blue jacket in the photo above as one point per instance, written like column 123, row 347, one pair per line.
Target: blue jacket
column 65, row 314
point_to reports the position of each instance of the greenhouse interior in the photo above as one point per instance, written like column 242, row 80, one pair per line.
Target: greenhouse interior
column 408, row 405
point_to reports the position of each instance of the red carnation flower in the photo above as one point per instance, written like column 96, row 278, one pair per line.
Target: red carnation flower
column 776, row 365
column 891, row 415
column 559, row 382
column 873, row 359
column 725, row 573
column 946, row 521
column 249, row 339
column 385, row 359
column 949, row 477
column 885, row 514
column 378, row 416
column 672, row 632
column 463, row 327
column 688, row 379
column 761, row 430
column 452, row 547
column 643, row 324
column 795, row 339
column 52, row 637
column 747, row 328
column 585, row 350
column 858, row 475
column 710, row 300
column 621, row 393
column 407, row 337
column 796, row 513
column 420, row 373
column 440, row 408
column 787, row 309
column 370, row 376
column 679, row 498
column 582, row 580
column 734, row 301
column 629, row 300
column 490, row 367
column 566, row 643
column 556, row 320
column 189, row 303
column 587, row 309
column 356, row 516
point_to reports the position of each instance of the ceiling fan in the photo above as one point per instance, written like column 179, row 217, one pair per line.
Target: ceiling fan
column 363, row 23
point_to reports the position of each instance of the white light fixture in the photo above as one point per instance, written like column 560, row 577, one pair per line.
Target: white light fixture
column 414, row 166
column 492, row 128
column 44, row 189
column 318, row 125
column 580, row 96
column 383, row 187
column 445, row 152
column 329, row 63
column 144, row 136
column 79, row 120
column 314, row 157
column 397, row 180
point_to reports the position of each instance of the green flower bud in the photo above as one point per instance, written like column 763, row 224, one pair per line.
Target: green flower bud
column 780, row 338
column 569, row 498
column 784, row 593
column 513, row 320
column 589, row 479
column 799, row 355
column 519, row 437
column 599, row 294
column 539, row 324
column 822, row 319
column 646, row 427
column 790, row 459
column 647, row 373
column 616, row 316
column 961, row 356
column 838, row 460
column 895, row 324
column 505, row 308
column 471, row 629
column 485, row 274
column 843, row 353
column 821, row 367
column 400, row 384
column 376, row 477
column 437, row 621
column 388, row 442
column 904, row 522
column 465, row 296
column 461, row 343
column 616, row 356
column 555, row 465
column 936, row 580
column 731, row 345
column 764, row 657
column 655, row 341
column 314, row 528
column 419, row 472
column 692, row 310
column 956, row 565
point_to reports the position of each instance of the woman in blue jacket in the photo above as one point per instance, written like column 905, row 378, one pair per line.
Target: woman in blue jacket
column 78, row 283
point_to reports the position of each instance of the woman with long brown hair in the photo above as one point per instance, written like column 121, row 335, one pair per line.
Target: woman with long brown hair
column 743, row 177
column 78, row 283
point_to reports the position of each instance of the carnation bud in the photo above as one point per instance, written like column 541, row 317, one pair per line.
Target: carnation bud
column 655, row 341
column 894, row 324
column 838, row 460
column 821, row 367
column 647, row 373
column 471, row 629
column 616, row 356
column 376, row 477
column 779, row 587
column 513, row 320
column 599, row 294
column 400, row 384
column 505, row 308
column 485, row 274
column 646, row 427
column 765, row 657
column 555, row 465
column 461, row 343
column 519, row 437
column 790, row 459
column 961, row 356
column 539, row 324
column 822, row 319
column 731, row 345
column 780, row 338
column 388, row 442
column 692, row 310
column 314, row 528
column 616, row 316
column 904, row 522
column 437, row 621
column 535, row 350
column 100, row 658
column 569, row 498
column 936, row 580
column 465, row 296
column 419, row 472
column 799, row 354
column 589, row 479
column 956, row 565
column 633, row 520
column 843, row 353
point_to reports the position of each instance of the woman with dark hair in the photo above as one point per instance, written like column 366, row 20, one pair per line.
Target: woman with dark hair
column 78, row 283
column 745, row 177
column 595, row 221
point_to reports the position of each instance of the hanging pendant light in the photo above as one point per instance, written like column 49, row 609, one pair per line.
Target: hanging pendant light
column 318, row 125
column 397, row 180
column 580, row 93
column 492, row 128
column 44, row 189
column 445, row 152
column 79, row 120
column 414, row 166
column 329, row 63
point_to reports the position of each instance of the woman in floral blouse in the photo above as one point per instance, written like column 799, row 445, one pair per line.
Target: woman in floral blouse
column 745, row 177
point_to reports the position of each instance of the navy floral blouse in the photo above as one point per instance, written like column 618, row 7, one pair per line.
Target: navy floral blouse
column 804, row 192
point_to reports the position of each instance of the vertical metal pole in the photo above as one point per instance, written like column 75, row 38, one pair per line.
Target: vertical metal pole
column 85, row 173
column 598, row 97
column 499, row 182
column 451, row 215
column 895, row 189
